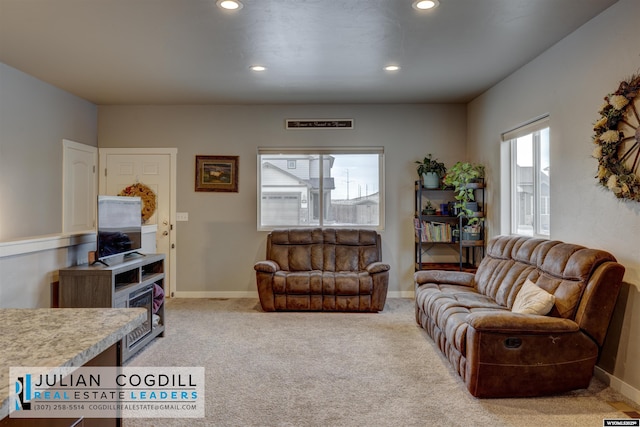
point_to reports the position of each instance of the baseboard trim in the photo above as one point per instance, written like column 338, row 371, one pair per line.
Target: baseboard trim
column 618, row 385
column 254, row 294
column 401, row 294
column 215, row 294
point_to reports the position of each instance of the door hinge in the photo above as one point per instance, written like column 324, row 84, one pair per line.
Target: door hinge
column 105, row 171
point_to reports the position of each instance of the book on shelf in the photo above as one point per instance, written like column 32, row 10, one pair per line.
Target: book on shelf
column 431, row 231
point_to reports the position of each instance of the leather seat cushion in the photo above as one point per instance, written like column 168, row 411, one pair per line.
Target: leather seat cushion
column 318, row 282
column 559, row 268
column 324, row 249
column 448, row 307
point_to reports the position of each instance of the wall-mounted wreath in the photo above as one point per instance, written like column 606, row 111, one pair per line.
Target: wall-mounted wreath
column 617, row 139
column 146, row 194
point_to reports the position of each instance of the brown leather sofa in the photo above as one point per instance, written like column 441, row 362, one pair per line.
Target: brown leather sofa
column 315, row 269
column 500, row 353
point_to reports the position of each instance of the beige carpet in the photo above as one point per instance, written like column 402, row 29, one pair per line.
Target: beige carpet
column 338, row 369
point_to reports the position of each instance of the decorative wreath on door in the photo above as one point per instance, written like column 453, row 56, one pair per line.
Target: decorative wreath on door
column 617, row 139
column 146, row 194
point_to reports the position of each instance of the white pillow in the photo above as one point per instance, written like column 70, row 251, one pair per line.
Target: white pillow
column 532, row 299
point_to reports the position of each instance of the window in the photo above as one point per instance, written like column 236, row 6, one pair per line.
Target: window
column 530, row 178
column 328, row 187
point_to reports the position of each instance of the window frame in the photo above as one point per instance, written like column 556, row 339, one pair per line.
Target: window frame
column 322, row 152
column 533, row 128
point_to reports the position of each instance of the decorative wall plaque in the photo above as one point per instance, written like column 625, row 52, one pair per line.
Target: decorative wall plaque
column 319, row 124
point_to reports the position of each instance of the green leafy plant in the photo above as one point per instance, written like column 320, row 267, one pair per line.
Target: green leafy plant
column 460, row 176
column 428, row 209
column 429, row 164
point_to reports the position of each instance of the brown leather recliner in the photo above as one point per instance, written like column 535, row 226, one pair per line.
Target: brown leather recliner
column 315, row 269
column 500, row 353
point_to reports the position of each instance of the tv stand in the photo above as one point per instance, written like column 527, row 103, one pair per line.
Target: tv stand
column 135, row 282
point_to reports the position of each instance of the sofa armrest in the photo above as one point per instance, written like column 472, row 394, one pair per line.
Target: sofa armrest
column 266, row 266
column 539, row 355
column 377, row 267
column 462, row 278
column 508, row 322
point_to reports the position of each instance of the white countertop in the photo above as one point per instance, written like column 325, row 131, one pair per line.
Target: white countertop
column 58, row 337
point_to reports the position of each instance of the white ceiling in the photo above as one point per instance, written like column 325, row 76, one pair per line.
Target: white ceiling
column 316, row 51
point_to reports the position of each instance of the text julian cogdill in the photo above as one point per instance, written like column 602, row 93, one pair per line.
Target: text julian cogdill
column 122, row 380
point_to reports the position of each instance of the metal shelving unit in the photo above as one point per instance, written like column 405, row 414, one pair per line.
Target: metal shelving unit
column 426, row 239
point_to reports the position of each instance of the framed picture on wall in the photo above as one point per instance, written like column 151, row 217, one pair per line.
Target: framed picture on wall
column 217, row 173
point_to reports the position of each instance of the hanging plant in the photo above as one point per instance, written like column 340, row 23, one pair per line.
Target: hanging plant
column 461, row 177
column 617, row 140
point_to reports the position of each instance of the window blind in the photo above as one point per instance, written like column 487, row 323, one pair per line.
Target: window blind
column 534, row 125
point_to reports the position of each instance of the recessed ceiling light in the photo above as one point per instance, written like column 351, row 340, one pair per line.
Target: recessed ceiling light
column 229, row 4
column 392, row 68
column 258, row 68
column 425, row 4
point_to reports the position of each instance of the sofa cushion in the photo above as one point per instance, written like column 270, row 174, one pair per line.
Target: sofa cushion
column 324, row 249
column 322, row 283
column 344, row 283
column 509, row 262
column 449, row 305
column 564, row 272
column 346, row 258
column 501, row 279
column 349, row 250
column 532, row 299
column 559, row 268
column 303, row 282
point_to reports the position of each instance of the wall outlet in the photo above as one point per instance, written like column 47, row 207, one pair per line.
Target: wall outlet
column 182, row 216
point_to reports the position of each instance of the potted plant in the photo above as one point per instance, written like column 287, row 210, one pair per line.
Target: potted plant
column 428, row 209
column 431, row 171
column 464, row 177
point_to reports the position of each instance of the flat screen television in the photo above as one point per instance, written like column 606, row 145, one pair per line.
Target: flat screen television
column 119, row 226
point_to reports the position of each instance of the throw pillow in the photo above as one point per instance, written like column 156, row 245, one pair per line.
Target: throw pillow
column 532, row 299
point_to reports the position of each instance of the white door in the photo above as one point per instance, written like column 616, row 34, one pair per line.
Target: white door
column 155, row 168
column 79, row 188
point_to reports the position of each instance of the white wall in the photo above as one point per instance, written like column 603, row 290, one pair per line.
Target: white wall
column 29, row 267
column 569, row 82
column 34, row 119
column 217, row 247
